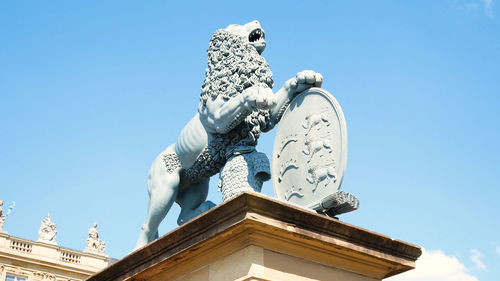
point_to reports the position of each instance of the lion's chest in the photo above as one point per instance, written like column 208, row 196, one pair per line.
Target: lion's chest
column 214, row 155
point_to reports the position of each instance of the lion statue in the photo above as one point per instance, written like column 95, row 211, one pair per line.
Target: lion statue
column 236, row 105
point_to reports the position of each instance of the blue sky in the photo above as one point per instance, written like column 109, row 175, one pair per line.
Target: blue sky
column 92, row 91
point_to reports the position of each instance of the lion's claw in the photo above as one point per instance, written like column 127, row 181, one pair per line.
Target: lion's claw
column 303, row 81
column 259, row 97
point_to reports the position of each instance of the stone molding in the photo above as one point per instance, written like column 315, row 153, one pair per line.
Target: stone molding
column 43, row 261
column 256, row 220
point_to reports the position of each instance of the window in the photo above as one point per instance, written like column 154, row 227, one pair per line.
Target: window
column 14, row 278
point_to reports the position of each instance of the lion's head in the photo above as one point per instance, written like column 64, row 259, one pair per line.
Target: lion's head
column 234, row 61
column 251, row 32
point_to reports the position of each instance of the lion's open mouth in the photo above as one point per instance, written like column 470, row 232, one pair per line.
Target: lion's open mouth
column 256, row 35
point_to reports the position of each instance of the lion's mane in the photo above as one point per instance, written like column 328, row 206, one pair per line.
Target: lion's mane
column 233, row 66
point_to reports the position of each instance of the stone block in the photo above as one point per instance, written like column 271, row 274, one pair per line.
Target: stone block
column 253, row 237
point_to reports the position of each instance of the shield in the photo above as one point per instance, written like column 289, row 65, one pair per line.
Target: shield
column 310, row 153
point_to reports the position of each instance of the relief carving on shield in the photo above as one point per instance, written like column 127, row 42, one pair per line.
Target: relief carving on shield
column 310, row 153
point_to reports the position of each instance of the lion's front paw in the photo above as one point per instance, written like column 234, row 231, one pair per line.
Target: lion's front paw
column 304, row 80
column 259, row 97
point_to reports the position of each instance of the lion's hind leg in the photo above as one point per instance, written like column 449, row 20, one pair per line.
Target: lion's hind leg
column 163, row 187
column 192, row 201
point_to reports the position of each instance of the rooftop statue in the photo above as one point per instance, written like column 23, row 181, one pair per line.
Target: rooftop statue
column 94, row 244
column 3, row 216
column 236, row 104
column 47, row 232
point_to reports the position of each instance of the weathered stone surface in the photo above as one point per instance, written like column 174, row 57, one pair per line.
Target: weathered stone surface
column 260, row 226
column 336, row 203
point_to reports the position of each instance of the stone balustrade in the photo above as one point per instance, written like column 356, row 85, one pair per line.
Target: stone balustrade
column 59, row 262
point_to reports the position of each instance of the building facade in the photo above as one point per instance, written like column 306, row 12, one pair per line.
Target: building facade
column 23, row 260
column 44, row 260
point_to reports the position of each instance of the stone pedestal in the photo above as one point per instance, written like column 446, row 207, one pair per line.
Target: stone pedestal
column 253, row 237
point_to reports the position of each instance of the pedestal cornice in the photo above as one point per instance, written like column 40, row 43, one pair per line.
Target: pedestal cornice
column 254, row 219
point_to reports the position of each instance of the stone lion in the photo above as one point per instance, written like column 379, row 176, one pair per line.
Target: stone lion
column 237, row 104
